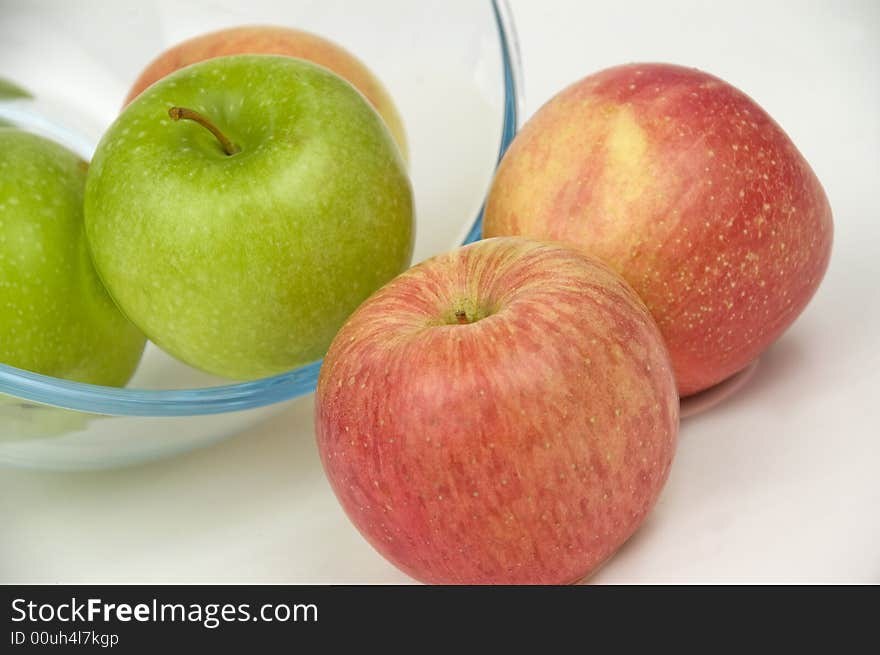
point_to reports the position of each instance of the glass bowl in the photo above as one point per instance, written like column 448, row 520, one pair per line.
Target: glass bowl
column 452, row 69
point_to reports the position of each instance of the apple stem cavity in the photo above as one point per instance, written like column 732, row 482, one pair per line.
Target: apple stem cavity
column 461, row 317
column 182, row 113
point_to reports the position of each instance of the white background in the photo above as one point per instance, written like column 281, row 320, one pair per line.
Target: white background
column 778, row 484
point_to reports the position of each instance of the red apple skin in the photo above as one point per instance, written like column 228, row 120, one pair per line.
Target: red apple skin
column 522, row 448
column 687, row 188
column 272, row 40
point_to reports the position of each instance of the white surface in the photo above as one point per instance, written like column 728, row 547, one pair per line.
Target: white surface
column 779, row 484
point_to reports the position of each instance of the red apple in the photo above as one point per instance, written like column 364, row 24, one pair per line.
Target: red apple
column 269, row 40
column 687, row 188
column 504, row 413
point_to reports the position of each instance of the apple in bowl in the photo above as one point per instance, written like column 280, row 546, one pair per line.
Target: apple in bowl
column 687, row 188
column 56, row 319
column 241, row 208
column 504, row 413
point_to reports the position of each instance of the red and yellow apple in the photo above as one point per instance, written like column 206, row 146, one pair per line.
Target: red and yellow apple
column 271, row 40
column 504, row 413
column 687, row 188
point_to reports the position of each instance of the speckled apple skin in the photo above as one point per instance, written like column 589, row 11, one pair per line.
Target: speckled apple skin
column 274, row 40
column 245, row 266
column 55, row 316
column 522, row 448
column 686, row 187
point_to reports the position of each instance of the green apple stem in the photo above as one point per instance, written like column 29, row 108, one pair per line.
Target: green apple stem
column 461, row 317
column 182, row 113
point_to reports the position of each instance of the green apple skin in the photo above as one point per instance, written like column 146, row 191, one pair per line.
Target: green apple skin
column 55, row 316
column 246, row 265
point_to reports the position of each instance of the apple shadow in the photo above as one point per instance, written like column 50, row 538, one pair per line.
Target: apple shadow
column 778, row 363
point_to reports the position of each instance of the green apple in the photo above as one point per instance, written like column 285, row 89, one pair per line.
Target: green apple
column 55, row 316
column 241, row 208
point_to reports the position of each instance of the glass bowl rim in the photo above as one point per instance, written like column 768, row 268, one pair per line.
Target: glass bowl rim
column 112, row 401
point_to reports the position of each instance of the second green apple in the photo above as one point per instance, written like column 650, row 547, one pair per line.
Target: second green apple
column 240, row 209
column 56, row 319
